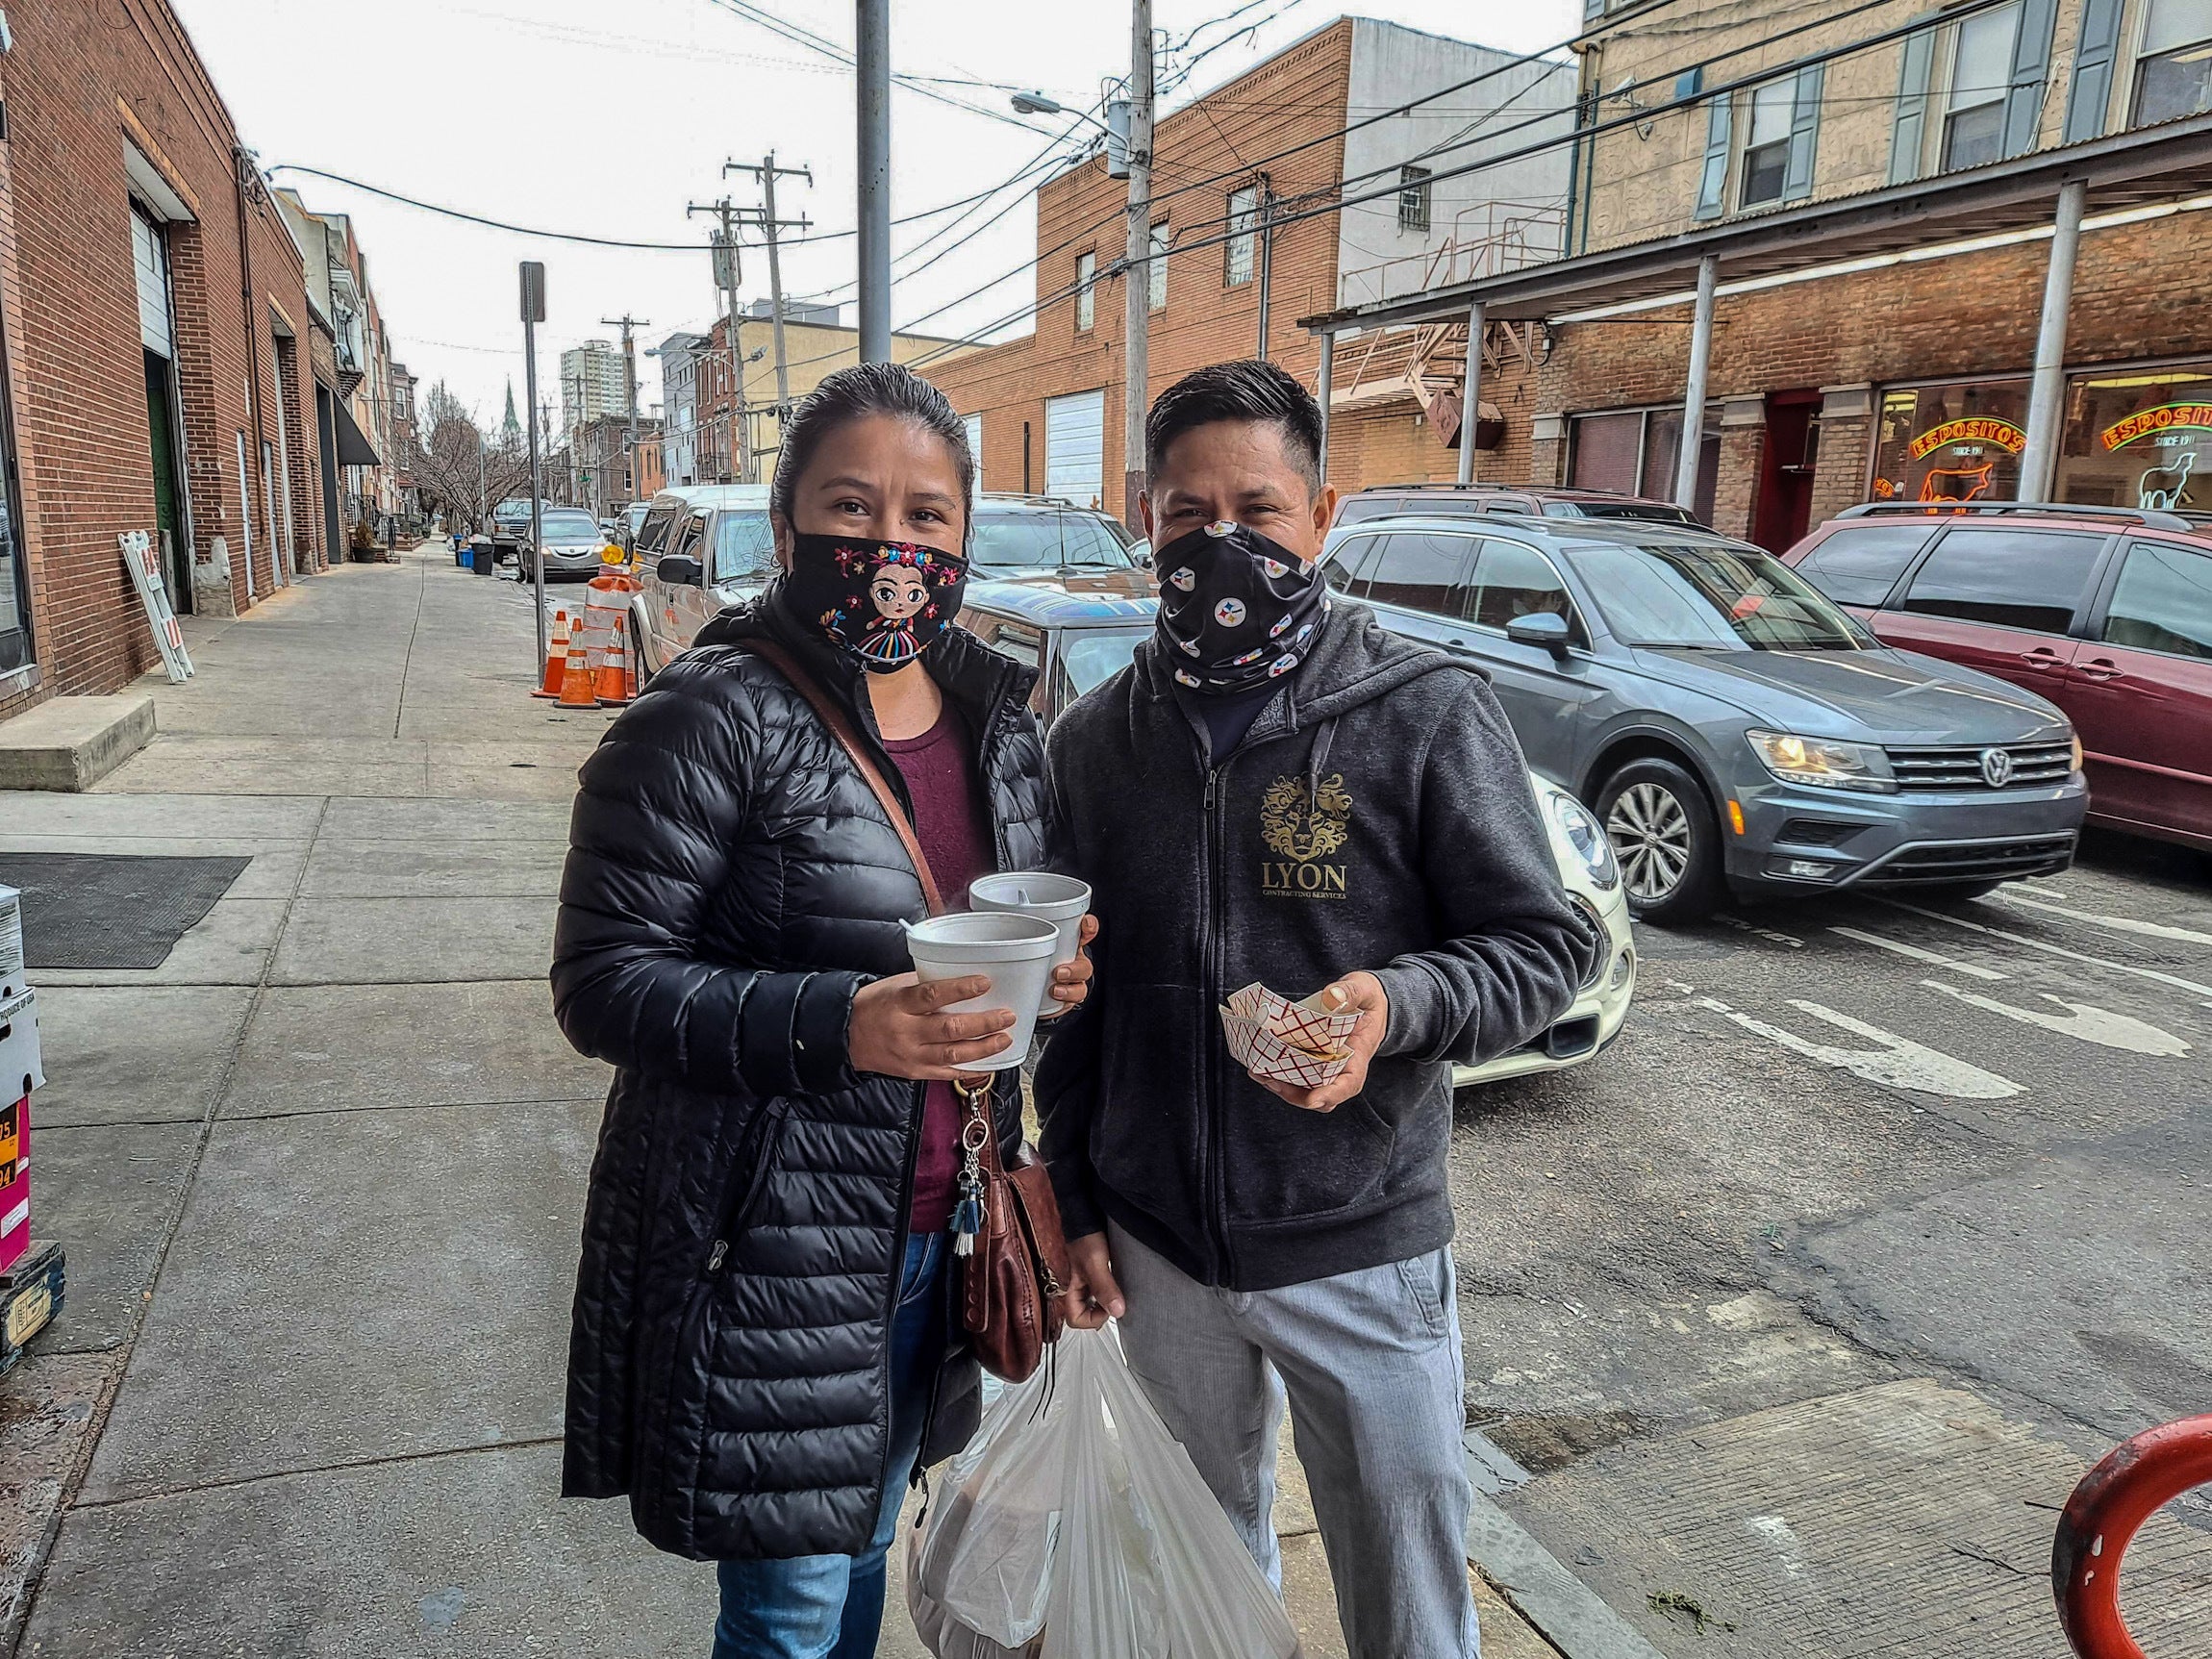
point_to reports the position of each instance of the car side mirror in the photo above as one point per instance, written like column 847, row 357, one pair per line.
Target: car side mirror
column 1141, row 554
column 681, row 570
column 1545, row 630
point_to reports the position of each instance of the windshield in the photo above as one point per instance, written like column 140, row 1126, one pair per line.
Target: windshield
column 1014, row 541
column 744, row 549
column 1711, row 598
column 1091, row 657
column 565, row 526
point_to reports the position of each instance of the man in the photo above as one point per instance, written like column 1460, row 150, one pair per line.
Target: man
column 1277, row 790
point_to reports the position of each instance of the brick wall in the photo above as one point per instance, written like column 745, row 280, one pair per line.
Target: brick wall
column 1296, row 96
column 2141, row 291
column 80, row 82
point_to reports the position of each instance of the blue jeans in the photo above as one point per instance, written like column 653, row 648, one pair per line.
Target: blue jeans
column 831, row 1606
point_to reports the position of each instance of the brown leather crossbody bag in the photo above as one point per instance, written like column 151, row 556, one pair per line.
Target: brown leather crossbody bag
column 1012, row 1249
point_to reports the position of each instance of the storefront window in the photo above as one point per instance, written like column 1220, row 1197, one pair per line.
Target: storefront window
column 1635, row 452
column 2142, row 439
column 1957, row 443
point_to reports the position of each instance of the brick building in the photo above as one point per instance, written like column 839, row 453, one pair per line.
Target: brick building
column 154, row 343
column 1873, row 197
column 724, row 447
column 1246, row 184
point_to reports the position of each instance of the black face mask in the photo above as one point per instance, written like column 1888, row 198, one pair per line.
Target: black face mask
column 1236, row 609
column 884, row 602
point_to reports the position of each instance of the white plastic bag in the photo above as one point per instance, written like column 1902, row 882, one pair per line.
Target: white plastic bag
column 1075, row 1527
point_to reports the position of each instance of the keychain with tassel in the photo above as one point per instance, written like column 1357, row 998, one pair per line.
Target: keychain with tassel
column 968, row 1206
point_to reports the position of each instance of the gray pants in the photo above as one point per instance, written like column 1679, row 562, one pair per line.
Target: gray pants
column 1376, row 1383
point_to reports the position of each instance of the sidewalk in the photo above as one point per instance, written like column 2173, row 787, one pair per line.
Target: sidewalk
column 320, row 1178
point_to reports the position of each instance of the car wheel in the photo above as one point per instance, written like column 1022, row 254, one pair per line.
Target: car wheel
column 1666, row 841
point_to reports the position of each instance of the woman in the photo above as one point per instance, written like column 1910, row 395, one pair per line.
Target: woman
column 764, row 1343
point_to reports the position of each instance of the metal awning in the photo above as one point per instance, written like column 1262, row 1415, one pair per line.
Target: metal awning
column 2146, row 167
column 353, row 449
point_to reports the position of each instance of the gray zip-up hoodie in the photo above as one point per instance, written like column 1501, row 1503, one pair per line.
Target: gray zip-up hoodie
column 1377, row 815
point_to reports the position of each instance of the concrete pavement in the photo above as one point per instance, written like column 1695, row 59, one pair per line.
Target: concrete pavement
column 320, row 1176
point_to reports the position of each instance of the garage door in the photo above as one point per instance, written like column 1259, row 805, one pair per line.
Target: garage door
column 1075, row 448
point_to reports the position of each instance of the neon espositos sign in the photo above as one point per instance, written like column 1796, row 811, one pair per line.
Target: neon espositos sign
column 2149, row 420
column 1974, row 429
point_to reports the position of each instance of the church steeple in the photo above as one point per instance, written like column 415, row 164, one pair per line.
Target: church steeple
column 510, row 429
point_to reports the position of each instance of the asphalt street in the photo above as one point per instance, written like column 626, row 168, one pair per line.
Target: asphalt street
column 1844, row 1155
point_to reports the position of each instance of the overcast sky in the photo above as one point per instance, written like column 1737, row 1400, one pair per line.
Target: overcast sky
column 608, row 121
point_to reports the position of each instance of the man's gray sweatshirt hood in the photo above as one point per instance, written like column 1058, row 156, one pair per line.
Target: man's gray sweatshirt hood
column 1377, row 815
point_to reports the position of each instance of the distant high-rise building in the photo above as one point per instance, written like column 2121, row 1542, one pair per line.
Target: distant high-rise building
column 592, row 384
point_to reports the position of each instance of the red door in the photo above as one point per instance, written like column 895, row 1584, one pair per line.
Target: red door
column 2000, row 599
column 2141, row 694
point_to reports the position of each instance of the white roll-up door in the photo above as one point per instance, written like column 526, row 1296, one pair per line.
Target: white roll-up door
column 1075, row 447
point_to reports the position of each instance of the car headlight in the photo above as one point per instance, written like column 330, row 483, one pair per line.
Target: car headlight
column 1824, row 762
column 2077, row 740
column 1584, row 837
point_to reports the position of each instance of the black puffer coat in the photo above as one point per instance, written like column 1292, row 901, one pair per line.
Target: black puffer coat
column 731, row 883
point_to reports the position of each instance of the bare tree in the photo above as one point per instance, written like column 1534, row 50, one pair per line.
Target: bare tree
column 458, row 470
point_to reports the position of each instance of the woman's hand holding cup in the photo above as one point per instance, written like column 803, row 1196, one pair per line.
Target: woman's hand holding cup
column 899, row 1029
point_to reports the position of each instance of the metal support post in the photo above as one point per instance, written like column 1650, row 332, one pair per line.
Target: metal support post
column 1267, row 255
column 1470, row 410
column 1693, row 441
column 2046, row 391
column 872, row 54
column 1325, row 385
column 1137, row 272
column 534, row 314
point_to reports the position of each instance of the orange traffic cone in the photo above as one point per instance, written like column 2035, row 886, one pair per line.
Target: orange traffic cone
column 576, row 682
column 556, row 657
column 613, row 680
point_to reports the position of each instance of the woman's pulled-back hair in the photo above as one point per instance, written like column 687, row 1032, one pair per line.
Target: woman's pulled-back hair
column 853, row 393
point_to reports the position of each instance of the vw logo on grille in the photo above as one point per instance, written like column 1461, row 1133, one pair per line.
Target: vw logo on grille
column 1996, row 768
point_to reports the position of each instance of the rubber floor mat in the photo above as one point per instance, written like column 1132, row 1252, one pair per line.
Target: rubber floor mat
column 92, row 910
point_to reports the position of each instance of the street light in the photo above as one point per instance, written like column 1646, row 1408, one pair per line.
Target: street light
column 1037, row 103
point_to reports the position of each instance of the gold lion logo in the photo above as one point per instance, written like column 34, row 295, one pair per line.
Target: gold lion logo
column 1306, row 827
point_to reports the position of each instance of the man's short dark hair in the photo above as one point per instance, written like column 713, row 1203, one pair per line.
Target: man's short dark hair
column 1245, row 391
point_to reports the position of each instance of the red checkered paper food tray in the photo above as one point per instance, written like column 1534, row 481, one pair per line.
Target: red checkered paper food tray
column 1286, row 1042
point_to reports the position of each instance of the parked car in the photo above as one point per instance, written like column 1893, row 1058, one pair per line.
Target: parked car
column 1731, row 727
column 510, row 528
column 1079, row 640
column 1450, row 500
column 571, row 544
column 2108, row 612
column 633, row 515
column 707, row 546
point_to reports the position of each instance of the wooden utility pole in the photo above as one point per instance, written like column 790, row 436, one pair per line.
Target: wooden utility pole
column 724, row 247
column 763, row 219
column 1136, row 267
column 627, row 324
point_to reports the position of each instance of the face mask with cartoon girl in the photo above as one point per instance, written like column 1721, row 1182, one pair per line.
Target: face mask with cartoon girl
column 885, row 602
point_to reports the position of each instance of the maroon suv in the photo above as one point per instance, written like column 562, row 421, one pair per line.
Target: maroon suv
column 2105, row 611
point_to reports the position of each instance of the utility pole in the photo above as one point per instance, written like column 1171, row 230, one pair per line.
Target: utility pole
column 871, row 59
column 1137, row 272
column 1266, row 257
column 724, row 249
column 626, row 323
column 763, row 219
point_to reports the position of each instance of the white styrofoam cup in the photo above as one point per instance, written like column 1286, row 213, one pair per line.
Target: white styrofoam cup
column 1060, row 899
column 1014, row 952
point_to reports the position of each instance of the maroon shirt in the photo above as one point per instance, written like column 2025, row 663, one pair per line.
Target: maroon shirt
column 954, row 830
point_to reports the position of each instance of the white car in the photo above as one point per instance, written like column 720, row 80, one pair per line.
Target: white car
column 1593, row 879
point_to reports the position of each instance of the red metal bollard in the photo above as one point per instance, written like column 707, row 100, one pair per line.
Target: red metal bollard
column 2136, row 1479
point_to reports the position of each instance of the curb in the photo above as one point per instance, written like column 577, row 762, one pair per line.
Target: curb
column 1565, row 1611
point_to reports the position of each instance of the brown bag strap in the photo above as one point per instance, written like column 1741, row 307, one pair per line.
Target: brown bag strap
column 848, row 739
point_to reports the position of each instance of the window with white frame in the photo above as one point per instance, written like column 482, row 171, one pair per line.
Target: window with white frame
column 2174, row 64
column 1086, row 290
column 1239, row 254
column 1156, row 273
column 1981, row 56
column 1413, row 189
column 1767, row 141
